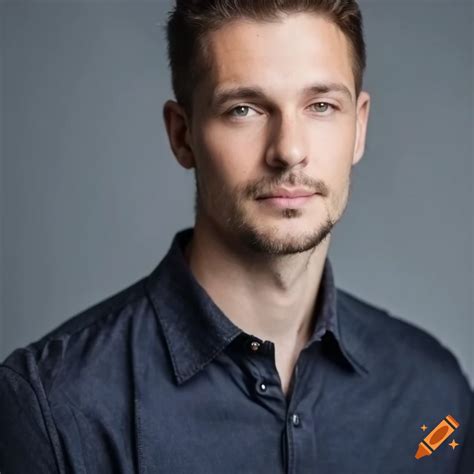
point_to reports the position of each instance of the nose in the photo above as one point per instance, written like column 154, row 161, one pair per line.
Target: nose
column 286, row 143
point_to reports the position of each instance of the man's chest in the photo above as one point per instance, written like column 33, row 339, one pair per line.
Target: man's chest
column 234, row 418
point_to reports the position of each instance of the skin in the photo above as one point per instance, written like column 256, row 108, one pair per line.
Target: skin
column 260, row 264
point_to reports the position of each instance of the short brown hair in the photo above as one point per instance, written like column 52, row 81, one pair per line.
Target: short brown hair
column 190, row 20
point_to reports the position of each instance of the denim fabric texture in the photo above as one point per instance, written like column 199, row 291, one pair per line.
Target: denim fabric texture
column 157, row 379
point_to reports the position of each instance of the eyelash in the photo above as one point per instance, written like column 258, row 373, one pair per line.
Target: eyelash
column 249, row 107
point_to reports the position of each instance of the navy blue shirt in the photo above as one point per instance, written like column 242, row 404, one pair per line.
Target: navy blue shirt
column 157, row 379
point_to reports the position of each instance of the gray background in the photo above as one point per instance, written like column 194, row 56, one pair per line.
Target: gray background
column 90, row 195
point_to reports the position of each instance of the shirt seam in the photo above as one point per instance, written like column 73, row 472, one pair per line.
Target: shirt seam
column 78, row 431
column 70, row 404
column 55, row 446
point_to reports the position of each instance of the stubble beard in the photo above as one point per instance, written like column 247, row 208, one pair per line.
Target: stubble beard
column 238, row 227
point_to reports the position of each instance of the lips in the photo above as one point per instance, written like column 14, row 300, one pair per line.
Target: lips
column 287, row 193
column 283, row 198
column 287, row 202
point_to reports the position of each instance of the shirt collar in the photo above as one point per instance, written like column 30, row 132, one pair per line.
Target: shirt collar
column 196, row 330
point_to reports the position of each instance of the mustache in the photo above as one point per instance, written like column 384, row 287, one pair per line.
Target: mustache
column 266, row 186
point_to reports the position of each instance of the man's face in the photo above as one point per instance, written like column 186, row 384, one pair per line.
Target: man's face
column 287, row 137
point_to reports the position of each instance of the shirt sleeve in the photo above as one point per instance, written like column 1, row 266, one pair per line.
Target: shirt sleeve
column 25, row 444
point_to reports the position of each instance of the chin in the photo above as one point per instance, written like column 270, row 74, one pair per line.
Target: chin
column 282, row 239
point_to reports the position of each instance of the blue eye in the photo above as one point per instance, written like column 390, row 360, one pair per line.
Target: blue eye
column 239, row 108
column 242, row 111
column 326, row 105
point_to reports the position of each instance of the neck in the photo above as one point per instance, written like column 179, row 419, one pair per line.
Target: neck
column 271, row 297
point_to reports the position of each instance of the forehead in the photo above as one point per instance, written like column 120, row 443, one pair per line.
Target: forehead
column 281, row 54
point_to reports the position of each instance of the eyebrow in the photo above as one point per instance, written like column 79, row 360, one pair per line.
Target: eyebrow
column 220, row 97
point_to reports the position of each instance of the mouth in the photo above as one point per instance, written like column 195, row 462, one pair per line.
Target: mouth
column 287, row 193
column 286, row 201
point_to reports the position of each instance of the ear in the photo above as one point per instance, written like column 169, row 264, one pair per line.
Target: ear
column 363, row 108
column 178, row 133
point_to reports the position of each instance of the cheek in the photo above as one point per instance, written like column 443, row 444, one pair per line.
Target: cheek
column 332, row 152
column 226, row 158
column 336, row 136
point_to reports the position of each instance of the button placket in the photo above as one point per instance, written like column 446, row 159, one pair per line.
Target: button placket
column 260, row 355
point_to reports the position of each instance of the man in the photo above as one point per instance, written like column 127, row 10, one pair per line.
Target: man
column 238, row 354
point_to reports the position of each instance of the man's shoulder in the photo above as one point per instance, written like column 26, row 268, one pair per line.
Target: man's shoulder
column 90, row 334
column 413, row 368
column 397, row 341
column 111, row 310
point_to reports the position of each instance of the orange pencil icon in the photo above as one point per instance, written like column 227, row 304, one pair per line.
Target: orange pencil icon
column 436, row 437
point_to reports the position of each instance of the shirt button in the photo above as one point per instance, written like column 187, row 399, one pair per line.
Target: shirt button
column 295, row 419
column 263, row 387
column 254, row 345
